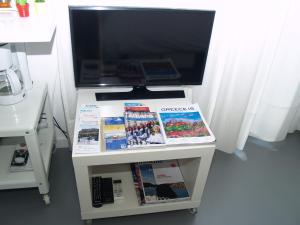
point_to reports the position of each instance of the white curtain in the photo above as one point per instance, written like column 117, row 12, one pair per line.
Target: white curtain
column 279, row 109
column 246, row 48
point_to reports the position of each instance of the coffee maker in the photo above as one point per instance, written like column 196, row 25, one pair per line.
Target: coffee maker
column 14, row 75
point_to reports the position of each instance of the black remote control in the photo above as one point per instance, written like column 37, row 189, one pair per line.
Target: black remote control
column 96, row 192
column 107, row 193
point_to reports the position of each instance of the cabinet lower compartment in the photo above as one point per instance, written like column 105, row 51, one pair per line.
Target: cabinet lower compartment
column 22, row 179
column 129, row 204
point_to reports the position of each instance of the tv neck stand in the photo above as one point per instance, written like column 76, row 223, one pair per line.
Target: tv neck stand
column 139, row 92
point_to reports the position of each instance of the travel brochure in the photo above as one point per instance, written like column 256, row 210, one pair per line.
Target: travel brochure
column 159, row 182
column 87, row 139
column 184, row 125
column 181, row 124
column 114, row 133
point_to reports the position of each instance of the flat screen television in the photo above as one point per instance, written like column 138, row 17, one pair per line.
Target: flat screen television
column 139, row 47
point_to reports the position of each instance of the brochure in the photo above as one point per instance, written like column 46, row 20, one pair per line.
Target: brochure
column 114, row 133
column 87, row 137
column 184, row 124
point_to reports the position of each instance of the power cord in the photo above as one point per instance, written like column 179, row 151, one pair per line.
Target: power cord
column 65, row 133
column 56, row 124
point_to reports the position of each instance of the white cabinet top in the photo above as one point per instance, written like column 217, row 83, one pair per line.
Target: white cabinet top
column 116, row 108
column 38, row 27
column 17, row 119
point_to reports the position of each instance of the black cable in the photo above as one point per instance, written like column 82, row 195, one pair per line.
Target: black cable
column 64, row 133
column 56, row 124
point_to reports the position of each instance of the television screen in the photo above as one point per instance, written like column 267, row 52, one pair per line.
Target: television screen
column 134, row 47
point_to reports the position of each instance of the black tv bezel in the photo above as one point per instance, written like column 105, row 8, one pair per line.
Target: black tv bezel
column 92, row 85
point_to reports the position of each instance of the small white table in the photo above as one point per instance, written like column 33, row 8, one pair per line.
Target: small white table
column 19, row 124
column 194, row 161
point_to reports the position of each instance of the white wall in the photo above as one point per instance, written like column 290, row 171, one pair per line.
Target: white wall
column 43, row 66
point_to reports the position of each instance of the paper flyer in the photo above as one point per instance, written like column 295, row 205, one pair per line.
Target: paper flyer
column 87, row 136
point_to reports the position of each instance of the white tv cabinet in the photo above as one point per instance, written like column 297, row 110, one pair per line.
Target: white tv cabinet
column 20, row 124
column 194, row 160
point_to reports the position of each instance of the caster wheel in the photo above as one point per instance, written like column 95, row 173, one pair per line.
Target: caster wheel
column 46, row 199
column 88, row 222
column 193, row 211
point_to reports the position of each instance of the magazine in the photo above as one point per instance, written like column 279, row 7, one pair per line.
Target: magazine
column 137, row 183
column 133, row 104
column 114, row 133
column 135, row 107
column 184, row 124
column 162, row 181
column 20, row 160
column 143, row 129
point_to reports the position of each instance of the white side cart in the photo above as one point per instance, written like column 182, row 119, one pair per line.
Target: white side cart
column 30, row 122
column 194, row 161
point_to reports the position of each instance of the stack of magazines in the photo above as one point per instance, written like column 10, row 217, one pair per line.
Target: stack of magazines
column 159, row 182
column 180, row 124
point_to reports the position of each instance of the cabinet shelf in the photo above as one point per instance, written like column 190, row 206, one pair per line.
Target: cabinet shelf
column 23, row 179
column 129, row 205
column 12, row 180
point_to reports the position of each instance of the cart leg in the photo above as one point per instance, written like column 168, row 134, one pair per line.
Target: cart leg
column 46, row 199
column 38, row 165
column 88, row 222
column 193, row 210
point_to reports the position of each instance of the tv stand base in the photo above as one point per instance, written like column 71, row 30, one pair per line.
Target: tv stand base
column 139, row 93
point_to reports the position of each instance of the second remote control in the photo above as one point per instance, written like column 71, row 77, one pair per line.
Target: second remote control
column 96, row 192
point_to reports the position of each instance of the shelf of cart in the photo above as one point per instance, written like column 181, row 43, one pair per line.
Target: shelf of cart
column 9, row 180
column 23, row 179
column 22, row 118
column 129, row 204
column 38, row 27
